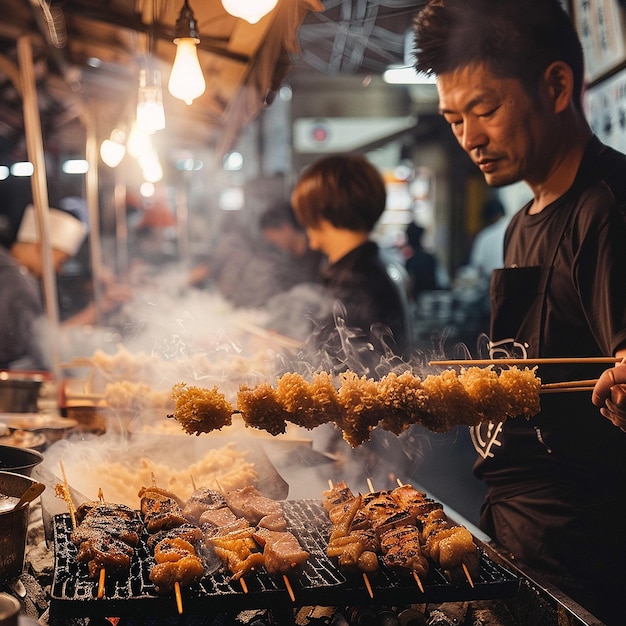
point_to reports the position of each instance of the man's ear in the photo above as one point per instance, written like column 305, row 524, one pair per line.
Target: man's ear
column 560, row 82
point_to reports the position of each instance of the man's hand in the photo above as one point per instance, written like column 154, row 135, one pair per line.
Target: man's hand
column 610, row 394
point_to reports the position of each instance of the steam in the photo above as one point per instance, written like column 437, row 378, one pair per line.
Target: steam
column 197, row 337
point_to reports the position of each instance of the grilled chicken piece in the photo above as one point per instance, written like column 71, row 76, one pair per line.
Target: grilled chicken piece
column 274, row 521
column 458, row 549
column 177, row 562
column 104, row 509
column 336, row 513
column 92, row 526
column 451, row 546
column 360, row 553
column 106, row 537
column 201, row 500
column 282, row 552
column 236, row 549
column 160, row 511
column 218, row 517
column 188, row 532
column 250, row 503
column 401, row 548
column 102, row 551
column 337, row 495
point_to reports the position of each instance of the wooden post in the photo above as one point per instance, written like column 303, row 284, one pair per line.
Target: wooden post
column 34, row 144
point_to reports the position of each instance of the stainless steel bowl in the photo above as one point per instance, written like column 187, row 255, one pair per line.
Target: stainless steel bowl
column 19, row 391
column 19, row 460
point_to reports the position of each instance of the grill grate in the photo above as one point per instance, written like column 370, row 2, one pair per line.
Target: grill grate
column 321, row 582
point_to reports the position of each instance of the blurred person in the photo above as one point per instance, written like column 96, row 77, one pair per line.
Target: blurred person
column 338, row 200
column 421, row 265
column 249, row 270
column 510, row 78
column 22, row 333
column 22, row 341
column 487, row 252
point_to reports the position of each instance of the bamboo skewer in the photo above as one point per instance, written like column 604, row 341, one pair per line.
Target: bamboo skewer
column 101, row 581
column 537, row 361
column 467, row 575
column 368, row 585
column 289, row 588
column 102, row 577
column 418, row 580
column 179, row 597
column 243, row 584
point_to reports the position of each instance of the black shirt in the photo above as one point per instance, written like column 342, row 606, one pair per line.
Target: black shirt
column 371, row 313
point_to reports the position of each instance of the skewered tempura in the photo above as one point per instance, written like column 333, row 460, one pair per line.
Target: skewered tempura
column 360, row 404
column 201, row 410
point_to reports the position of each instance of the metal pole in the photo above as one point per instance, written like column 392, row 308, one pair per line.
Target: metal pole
column 34, row 143
column 121, row 227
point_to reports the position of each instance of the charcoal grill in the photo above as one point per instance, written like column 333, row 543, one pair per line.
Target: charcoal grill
column 321, row 583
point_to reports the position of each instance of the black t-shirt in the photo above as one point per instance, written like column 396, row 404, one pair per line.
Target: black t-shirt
column 584, row 315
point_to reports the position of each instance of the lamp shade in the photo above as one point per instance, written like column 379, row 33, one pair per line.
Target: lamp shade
column 250, row 10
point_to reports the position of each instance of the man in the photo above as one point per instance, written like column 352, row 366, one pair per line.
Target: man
column 22, row 340
column 249, row 270
column 510, row 79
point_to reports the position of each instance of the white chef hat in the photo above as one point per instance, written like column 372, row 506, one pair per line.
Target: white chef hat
column 67, row 233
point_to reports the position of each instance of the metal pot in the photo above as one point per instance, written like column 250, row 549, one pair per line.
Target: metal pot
column 19, row 460
column 19, row 391
column 13, row 527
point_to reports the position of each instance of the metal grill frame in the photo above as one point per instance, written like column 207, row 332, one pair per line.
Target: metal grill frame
column 321, row 583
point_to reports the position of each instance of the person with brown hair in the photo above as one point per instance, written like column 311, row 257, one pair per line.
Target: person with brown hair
column 510, row 78
column 338, row 200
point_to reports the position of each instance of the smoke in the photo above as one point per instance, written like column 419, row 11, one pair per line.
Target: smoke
column 197, row 337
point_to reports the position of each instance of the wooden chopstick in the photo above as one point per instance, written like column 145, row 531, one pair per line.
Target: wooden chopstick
column 564, row 389
column 537, row 361
column 569, row 386
column 590, row 382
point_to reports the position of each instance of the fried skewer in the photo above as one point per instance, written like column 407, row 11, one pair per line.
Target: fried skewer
column 361, row 404
column 65, row 492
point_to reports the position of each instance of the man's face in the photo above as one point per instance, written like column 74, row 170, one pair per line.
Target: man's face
column 506, row 133
column 29, row 255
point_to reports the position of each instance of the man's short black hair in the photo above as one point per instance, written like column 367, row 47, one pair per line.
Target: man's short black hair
column 515, row 38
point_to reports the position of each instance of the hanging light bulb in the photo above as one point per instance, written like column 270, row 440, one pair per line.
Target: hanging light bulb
column 150, row 112
column 113, row 149
column 250, row 10
column 186, row 80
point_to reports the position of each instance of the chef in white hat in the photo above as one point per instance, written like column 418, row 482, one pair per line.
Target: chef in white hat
column 67, row 234
column 21, row 306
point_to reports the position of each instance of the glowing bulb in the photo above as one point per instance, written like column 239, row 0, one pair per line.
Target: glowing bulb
column 112, row 150
column 139, row 143
column 186, row 80
column 150, row 113
column 250, row 10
